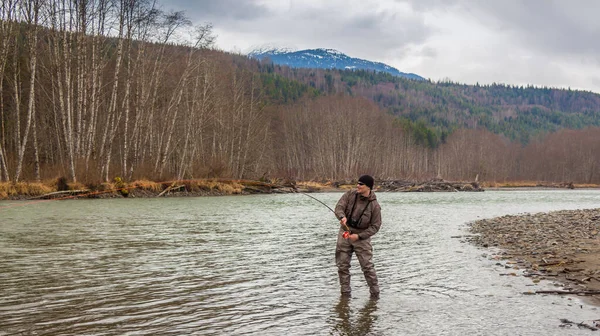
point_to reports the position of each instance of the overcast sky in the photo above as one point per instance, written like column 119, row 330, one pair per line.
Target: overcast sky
column 552, row 43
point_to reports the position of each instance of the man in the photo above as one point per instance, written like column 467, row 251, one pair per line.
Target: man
column 359, row 211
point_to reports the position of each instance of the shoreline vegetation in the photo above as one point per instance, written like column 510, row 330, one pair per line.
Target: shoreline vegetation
column 60, row 188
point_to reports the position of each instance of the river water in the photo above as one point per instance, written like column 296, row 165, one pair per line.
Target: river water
column 264, row 265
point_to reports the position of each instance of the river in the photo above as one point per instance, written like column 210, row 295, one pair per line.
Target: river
column 264, row 265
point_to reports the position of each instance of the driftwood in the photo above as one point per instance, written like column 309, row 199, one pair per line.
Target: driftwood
column 428, row 186
column 59, row 193
column 170, row 189
column 561, row 292
column 528, row 275
column 553, row 263
column 581, row 324
column 257, row 190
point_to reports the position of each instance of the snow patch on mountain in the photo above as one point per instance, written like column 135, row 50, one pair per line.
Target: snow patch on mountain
column 322, row 58
column 270, row 49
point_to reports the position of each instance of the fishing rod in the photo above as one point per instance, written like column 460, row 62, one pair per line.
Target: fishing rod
column 316, row 199
column 346, row 233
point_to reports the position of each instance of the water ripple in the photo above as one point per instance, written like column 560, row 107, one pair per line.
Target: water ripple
column 261, row 265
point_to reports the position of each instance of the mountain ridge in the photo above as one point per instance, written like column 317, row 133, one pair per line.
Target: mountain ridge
column 325, row 58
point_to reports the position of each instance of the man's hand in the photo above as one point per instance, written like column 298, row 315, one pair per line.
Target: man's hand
column 353, row 237
column 343, row 221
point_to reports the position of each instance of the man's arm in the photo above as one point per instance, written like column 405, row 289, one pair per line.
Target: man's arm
column 375, row 223
column 340, row 207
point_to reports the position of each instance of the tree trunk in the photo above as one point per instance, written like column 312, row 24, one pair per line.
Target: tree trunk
column 32, row 39
column 111, row 125
column 36, row 153
column 6, row 31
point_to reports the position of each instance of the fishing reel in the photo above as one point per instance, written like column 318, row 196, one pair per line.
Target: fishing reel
column 352, row 223
column 346, row 234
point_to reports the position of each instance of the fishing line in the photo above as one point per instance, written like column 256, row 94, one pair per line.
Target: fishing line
column 318, row 201
column 346, row 228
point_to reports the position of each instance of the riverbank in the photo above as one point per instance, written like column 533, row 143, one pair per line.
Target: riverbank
column 562, row 247
column 60, row 188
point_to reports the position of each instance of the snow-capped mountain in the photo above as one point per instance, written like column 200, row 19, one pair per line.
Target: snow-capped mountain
column 324, row 59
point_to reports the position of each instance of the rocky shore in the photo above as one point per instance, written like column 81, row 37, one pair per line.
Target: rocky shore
column 562, row 247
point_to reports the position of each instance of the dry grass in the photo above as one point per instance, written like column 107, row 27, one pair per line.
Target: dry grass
column 77, row 186
column 532, row 184
column 222, row 186
column 510, row 184
column 230, row 188
column 8, row 189
column 207, row 184
column 254, row 183
column 311, row 185
column 146, row 185
column 489, row 184
column 586, row 185
column 36, row 189
column 5, row 190
column 107, row 186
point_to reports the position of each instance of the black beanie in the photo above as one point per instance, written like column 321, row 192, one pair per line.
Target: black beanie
column 368, row 180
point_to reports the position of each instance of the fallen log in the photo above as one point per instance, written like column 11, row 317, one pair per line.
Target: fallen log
column 257, row 190
column 58, row 193
column 170, row 189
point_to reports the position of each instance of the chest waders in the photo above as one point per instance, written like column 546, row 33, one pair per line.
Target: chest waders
column 364, row 253
column 354, row 224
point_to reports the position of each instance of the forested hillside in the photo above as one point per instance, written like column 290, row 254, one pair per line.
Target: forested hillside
column 520, row 113
column 97, row 90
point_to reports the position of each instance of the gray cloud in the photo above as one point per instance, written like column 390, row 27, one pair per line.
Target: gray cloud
column 367, row 34
column 595, row 81
column 364, row 32
column 220, row 10
column 428, row 5
column 568, row 28
column 541, row 42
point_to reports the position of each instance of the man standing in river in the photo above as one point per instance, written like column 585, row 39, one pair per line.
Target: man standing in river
column 359, row 210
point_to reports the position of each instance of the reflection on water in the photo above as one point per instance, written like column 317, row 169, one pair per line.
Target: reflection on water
column 264, row 265
column 347, row 324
